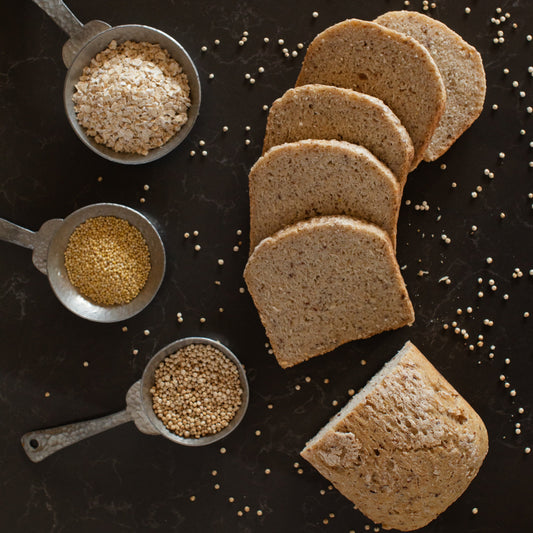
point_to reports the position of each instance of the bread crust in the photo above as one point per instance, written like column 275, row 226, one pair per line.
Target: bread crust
column 405, row 447
column 300, row 180
column 367, row 57
column 324, row 112
column 323, row 282
column 461, row 68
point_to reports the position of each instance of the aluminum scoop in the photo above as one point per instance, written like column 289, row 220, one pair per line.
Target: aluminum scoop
column 40, row 444
column 87, row 40
column 49, row 245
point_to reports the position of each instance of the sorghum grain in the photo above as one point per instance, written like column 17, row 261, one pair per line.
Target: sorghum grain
column 197, row 391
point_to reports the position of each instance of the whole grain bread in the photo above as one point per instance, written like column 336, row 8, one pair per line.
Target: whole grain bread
column 389, row 65
column 304, row 179
column 460, row 66
column 405, row 447
column 325, row 112
column 323, row 282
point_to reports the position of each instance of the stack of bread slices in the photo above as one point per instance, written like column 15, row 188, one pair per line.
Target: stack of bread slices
column 371, row 101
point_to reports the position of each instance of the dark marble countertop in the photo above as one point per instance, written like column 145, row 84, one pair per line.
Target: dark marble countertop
column 123, row 480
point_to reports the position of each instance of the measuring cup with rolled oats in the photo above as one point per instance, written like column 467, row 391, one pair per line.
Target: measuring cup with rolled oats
column 132, row 93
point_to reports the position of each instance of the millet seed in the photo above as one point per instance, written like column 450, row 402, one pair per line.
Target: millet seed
column 107, row 260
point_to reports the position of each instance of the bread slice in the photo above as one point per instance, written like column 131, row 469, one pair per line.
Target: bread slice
column 460, row 66
column 323, row 282
column 395, row 68
column 304, row 179
column 405, row 447
column 324, row 112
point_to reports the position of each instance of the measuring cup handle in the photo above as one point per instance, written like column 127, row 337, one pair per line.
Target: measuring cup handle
column 38, row 445
column 14, row 234
column 61, row 15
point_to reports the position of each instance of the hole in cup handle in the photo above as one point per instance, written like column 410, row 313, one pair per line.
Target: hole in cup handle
column 34, row 445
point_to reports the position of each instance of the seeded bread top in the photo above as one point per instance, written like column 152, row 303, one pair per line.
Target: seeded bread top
column 391, row 66
column 405, row 447
column 460, row 66
column 300, row 180
column 325, row 112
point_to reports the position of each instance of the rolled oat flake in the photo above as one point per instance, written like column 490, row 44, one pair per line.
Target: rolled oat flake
column 132, row 97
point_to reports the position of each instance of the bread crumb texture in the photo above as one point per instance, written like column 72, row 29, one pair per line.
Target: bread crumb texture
column 297, row 181
column 324, row 282
column 367, row 57
column 460, row 66
column 405, row 447
column 323, row 112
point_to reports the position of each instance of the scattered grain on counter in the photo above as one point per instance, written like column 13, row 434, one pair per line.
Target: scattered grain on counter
column 197, row 391
column 107, row 260
column 132, row 97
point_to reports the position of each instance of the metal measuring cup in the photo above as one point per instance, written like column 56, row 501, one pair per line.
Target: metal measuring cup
column 40, row 444
column 87, row 40
column 49, row 245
